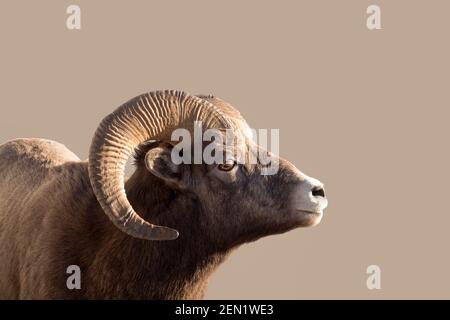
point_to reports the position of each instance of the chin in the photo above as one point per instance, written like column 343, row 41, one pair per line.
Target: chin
column 308, row 219
column 301, row 219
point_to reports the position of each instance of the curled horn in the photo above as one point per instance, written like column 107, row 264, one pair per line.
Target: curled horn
column 151, row 116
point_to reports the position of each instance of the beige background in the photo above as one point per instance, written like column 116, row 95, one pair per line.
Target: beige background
column 364, row 111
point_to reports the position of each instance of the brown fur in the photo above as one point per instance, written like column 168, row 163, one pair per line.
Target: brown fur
column 50, row 219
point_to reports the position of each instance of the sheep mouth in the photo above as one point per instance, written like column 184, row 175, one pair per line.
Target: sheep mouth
column 307, row 212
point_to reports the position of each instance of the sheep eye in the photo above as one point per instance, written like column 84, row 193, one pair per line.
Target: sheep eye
column 227, row 166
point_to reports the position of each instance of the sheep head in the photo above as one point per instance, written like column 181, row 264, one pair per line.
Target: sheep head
column 238, row 202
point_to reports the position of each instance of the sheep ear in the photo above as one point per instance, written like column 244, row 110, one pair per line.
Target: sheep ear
column 159, row 162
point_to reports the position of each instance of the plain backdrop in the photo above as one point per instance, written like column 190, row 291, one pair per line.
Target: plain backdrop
column 364, row 111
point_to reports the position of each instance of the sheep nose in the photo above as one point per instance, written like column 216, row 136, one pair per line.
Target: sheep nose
column 318, row 191
column 310, row 195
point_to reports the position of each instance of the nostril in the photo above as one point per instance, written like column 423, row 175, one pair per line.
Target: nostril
column 318, row 192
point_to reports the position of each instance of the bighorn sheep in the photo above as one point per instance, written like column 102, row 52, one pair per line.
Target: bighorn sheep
column 56, row 210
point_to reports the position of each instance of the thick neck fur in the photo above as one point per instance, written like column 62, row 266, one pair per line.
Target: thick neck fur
column 140, row 269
